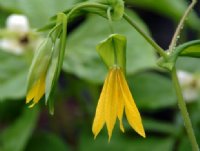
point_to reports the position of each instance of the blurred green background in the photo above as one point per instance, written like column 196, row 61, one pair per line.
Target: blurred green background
column 80, row 83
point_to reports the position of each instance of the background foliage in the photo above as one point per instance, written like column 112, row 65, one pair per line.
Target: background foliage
column 23, row 129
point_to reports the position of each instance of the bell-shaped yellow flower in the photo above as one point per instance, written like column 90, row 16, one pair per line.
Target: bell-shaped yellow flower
column 37, row 91
column 114, row 99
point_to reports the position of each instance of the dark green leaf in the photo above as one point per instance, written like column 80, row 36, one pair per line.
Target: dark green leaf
column 15, row 137
column 152, row 91
column 13, row 75
column 46, row 142
column 37, row 11
column 189, row 49
column 188, row 64
column 184, row 144
column 175, row 9
column 120, row 142
column 153, row 125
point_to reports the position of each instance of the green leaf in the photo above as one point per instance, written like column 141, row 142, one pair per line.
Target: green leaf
column 15, row 137
column 161, row 127
column 13, row 75
column 45, row 9
column 188, row 64
column 155, row 126
column 46, row 142
column 3, row 16
column 152, row 91
column 189, row 49
column 184, row 144
column 121, row 142
column 175, row 9
column 82, row 60
column 113, row 51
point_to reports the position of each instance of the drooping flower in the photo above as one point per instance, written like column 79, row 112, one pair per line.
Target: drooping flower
column 116, row 98
column 47, row 64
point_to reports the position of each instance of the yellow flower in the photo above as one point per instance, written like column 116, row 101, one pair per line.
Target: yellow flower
column 114, row 99
column 37, row 91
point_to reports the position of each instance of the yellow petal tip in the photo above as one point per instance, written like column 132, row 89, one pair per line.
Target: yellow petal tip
column 142, row 133
column 31, row 106
column 122, row 129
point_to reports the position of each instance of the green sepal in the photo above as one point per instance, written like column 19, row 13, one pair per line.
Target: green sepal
column 113, row 51
column 50, row 77
column 40, row 62
column 56, row 62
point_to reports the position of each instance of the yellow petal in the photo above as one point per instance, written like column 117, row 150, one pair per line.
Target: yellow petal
column 120, row 104
column 37, row 91
column 40, row 89
column 99, row 118
column 132, row 113
column 110, row 103
column 31, row 93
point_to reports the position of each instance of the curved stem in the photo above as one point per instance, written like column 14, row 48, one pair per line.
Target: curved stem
column 184, row 112
column 110, row 20
column 150, row 40
column 88, row 4
column 180, row 26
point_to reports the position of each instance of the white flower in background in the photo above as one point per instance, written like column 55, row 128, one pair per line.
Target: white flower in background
column 190, row 85
column 18, row 26
column 18, row 23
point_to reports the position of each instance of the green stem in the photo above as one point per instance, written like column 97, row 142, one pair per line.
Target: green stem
column 110, row 20
column 149, row 39
column 184, row 112
column 63, row 41
column 88, row 4
column 180, row 26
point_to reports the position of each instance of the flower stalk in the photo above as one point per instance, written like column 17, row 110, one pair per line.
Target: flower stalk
column 159, row 50
column 181, row 102
column 184, row 112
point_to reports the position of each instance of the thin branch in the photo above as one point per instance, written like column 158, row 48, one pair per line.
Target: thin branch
column 148, row 39
column 180, row 26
